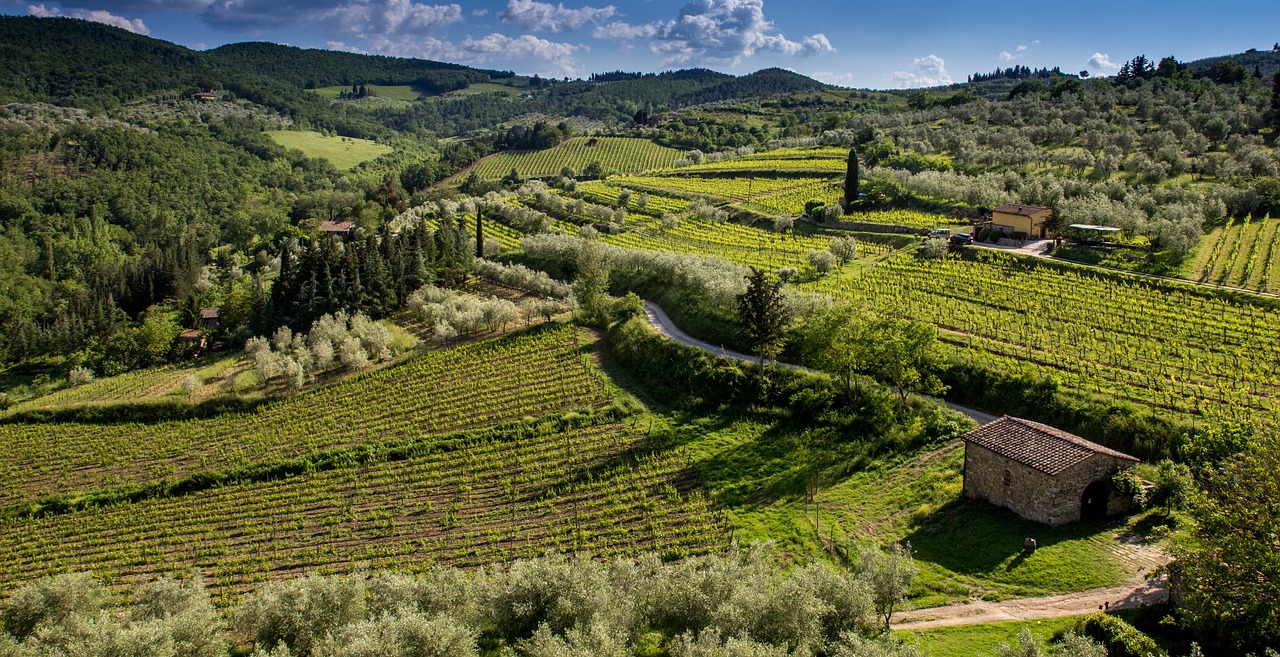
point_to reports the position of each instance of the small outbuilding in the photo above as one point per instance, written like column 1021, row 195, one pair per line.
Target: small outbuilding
column 1042, row 473
column 209, row 317
column 338, row 229
column 1030, row 220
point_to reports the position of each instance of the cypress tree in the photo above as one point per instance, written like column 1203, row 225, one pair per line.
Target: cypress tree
column 851, row 179
column 479, row 233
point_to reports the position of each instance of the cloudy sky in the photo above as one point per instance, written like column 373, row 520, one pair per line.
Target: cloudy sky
column 905, row 43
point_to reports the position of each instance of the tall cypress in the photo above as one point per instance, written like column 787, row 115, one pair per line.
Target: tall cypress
column 479, row 233
column 851, row 178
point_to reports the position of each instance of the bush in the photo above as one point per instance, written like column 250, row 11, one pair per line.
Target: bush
column 79, row 376
column 1120, row 638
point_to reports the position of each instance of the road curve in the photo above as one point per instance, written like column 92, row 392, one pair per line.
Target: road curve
column 659, row 320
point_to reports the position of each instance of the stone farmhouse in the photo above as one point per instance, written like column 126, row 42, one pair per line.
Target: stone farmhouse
column 1041, row 473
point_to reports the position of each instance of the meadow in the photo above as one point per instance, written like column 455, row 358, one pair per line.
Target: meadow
column 342, row 152
column 394, row 92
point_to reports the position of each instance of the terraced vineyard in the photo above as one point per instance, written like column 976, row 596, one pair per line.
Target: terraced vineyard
column 603, row 193
column 731, row 188
column 463, row 501
column 776, row 165
column 622, row 154
column 1244, row 253
column 1177, row 349
column 479, row 384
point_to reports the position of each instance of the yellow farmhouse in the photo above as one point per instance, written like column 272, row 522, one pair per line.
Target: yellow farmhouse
column 1028, row 219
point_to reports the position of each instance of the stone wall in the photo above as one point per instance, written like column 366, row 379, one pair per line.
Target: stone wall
column 1031, row 493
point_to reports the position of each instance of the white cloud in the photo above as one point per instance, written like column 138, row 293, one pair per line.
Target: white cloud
column 528, row 53
column 838, row 79
column 715, row 31
column 1102, row 62
column 359, row 18
column 927, row 71
column 1006, row 56
column 546, row 17
column 96, row 15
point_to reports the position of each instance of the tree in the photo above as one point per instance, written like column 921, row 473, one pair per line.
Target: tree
column 845, row 249
column 851, row 178
column 904, row 354
column 763, row 315
column 1231, row 572
column 1275, row 100
column 890, row 573
column 479, row 232
column 591, row 286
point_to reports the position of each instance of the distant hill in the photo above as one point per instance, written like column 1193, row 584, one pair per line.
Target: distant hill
column 1266, row 61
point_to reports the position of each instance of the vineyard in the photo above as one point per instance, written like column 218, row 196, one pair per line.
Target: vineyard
column 1243, row 253
column 479, row 384
column 621, row 154
column 1179, row 350
column 468, row 500
column 146, row 384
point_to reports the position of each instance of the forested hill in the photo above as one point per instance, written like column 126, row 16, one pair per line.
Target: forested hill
column 79, row 63
column 310, row 68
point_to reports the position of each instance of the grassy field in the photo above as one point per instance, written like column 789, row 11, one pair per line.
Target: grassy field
column 980, row 640
column 213, row 376
column 622, row 154
column 398, row 92
column 342, row 152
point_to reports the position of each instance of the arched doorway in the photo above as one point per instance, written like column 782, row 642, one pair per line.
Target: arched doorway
column 1093, row 503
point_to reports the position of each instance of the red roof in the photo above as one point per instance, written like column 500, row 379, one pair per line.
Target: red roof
column 1022, row 210
column 191, row 335
column 337, row 226
column 1038, row 446
column 209, row 313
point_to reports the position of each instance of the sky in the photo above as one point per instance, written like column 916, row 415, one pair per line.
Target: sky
column 879, row 45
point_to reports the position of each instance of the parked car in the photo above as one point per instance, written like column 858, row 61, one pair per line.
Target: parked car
column 943, row 233
column 962, row 239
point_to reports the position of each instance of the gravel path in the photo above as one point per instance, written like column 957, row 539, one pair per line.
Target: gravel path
column 1135, row 593
column 663, row 324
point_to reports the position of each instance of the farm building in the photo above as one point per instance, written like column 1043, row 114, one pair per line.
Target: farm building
column 209, row 317
column 339, row 229
column 1027, row 219
column 193, row 338
column 1041, row 473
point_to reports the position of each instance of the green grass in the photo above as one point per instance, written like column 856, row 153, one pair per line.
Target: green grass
column 397, row 92
column 756, row 470
column 342, row 152
column 622, row 154
column 978, row 640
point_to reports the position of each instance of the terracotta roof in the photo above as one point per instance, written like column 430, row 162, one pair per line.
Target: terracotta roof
column 337, row 226
column 1023, row 210
column 1036, row 445
column 191, row 335
column 209, row 313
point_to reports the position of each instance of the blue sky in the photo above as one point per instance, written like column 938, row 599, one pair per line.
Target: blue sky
column 899, row 43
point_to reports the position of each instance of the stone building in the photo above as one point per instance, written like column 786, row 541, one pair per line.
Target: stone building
column 1041, row 473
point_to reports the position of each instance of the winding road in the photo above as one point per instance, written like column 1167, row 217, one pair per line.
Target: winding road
column 659, row 320
column 1135, row 592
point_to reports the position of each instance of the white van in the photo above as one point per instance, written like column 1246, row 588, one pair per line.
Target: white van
column 943, row 233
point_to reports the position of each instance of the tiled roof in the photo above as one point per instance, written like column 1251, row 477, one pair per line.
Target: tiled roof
column 209, row 313
column 337, row 226
column 1036, row 445
column 1022, row 210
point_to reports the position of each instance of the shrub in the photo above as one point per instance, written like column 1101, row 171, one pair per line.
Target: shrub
column 79, row 376
column 1120, row 638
